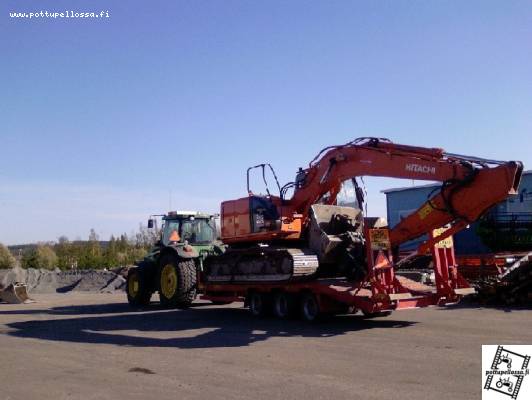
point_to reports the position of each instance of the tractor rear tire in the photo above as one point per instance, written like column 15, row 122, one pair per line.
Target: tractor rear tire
column 177, row 281
column 138, row 294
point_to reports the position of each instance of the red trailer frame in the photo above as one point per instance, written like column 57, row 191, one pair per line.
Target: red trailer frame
column 379, row 292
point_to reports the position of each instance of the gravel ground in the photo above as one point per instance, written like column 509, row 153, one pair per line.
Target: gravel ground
column 92, row 346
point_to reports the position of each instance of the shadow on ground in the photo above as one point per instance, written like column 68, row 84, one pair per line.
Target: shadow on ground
column 86, row 309
column 472, row 302
column 219, row 327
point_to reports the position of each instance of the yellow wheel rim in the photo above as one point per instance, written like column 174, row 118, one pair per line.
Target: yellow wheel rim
column 133, row 285
column 168, row 281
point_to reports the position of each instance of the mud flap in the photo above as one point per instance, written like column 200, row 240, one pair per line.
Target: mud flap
column 15, row 293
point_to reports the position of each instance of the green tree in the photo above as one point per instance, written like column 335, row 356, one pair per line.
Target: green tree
column 136, row 254
column 6, row 258
column 145, row 237
column 93, row 236
column 122, row 243
column 66, row 253
column 120, row 251
column 40, row 257
column 110, row 255
column 91, row 253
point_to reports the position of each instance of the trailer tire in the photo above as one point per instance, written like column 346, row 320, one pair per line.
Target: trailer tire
column 177, row 281
column 138, row 294
column 309, row 307
column 283, row 305
column 258, row 304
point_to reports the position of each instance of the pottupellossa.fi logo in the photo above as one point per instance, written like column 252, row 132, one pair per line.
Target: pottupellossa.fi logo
column 505, row 373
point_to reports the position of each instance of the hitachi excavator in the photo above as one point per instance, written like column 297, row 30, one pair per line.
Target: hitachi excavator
column 276, row 238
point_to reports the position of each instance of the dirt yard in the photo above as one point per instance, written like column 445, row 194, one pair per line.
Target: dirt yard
column 93, row 346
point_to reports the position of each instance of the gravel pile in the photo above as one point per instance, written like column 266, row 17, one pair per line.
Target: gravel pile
column 44, row 281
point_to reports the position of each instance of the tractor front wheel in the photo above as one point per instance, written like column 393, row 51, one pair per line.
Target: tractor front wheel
column 138, row 294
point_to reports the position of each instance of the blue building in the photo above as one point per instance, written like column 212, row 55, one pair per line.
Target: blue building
column 404, row 201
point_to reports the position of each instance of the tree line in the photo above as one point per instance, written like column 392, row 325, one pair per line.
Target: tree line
column 91, row 254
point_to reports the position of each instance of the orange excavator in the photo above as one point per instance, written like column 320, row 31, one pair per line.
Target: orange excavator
column 276, row 238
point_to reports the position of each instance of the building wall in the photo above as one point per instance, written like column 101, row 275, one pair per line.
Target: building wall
column 401, row 202
column 522, row 203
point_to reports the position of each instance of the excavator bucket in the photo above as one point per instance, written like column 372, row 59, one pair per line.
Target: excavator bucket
column 326, row 229
column 15, row 293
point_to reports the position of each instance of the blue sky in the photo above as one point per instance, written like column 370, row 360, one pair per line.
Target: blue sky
column 101, row 119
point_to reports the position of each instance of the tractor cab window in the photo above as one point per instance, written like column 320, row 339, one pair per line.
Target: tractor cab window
column 198, row 231
column 263, row 214
column 171, row 232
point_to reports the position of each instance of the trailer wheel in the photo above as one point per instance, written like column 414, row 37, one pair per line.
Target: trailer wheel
column 177, row 281
column 309, row 307
column 137, row 291
column 283, row 305
column 258, row 304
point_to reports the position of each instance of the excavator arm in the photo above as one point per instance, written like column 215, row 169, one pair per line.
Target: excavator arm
column 470, row 185
column 460, row 202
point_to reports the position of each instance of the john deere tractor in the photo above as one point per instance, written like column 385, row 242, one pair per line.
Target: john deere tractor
column 173, row 266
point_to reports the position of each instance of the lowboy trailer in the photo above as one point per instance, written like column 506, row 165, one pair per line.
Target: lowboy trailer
column 380, row 293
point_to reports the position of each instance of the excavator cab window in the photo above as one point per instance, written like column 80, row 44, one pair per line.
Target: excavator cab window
column 263, row 214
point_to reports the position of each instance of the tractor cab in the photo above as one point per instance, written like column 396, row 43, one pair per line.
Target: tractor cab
column 188, row 227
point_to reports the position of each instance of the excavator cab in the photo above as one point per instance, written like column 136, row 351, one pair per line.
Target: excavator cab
column 258, row 215
column 263, row 214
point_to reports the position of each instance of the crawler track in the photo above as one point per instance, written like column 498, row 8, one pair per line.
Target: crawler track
column 261, row 264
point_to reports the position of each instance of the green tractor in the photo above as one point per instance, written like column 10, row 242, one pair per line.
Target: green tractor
column 173, row 266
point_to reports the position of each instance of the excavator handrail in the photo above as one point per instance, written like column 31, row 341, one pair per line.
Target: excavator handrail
column 263, row 177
